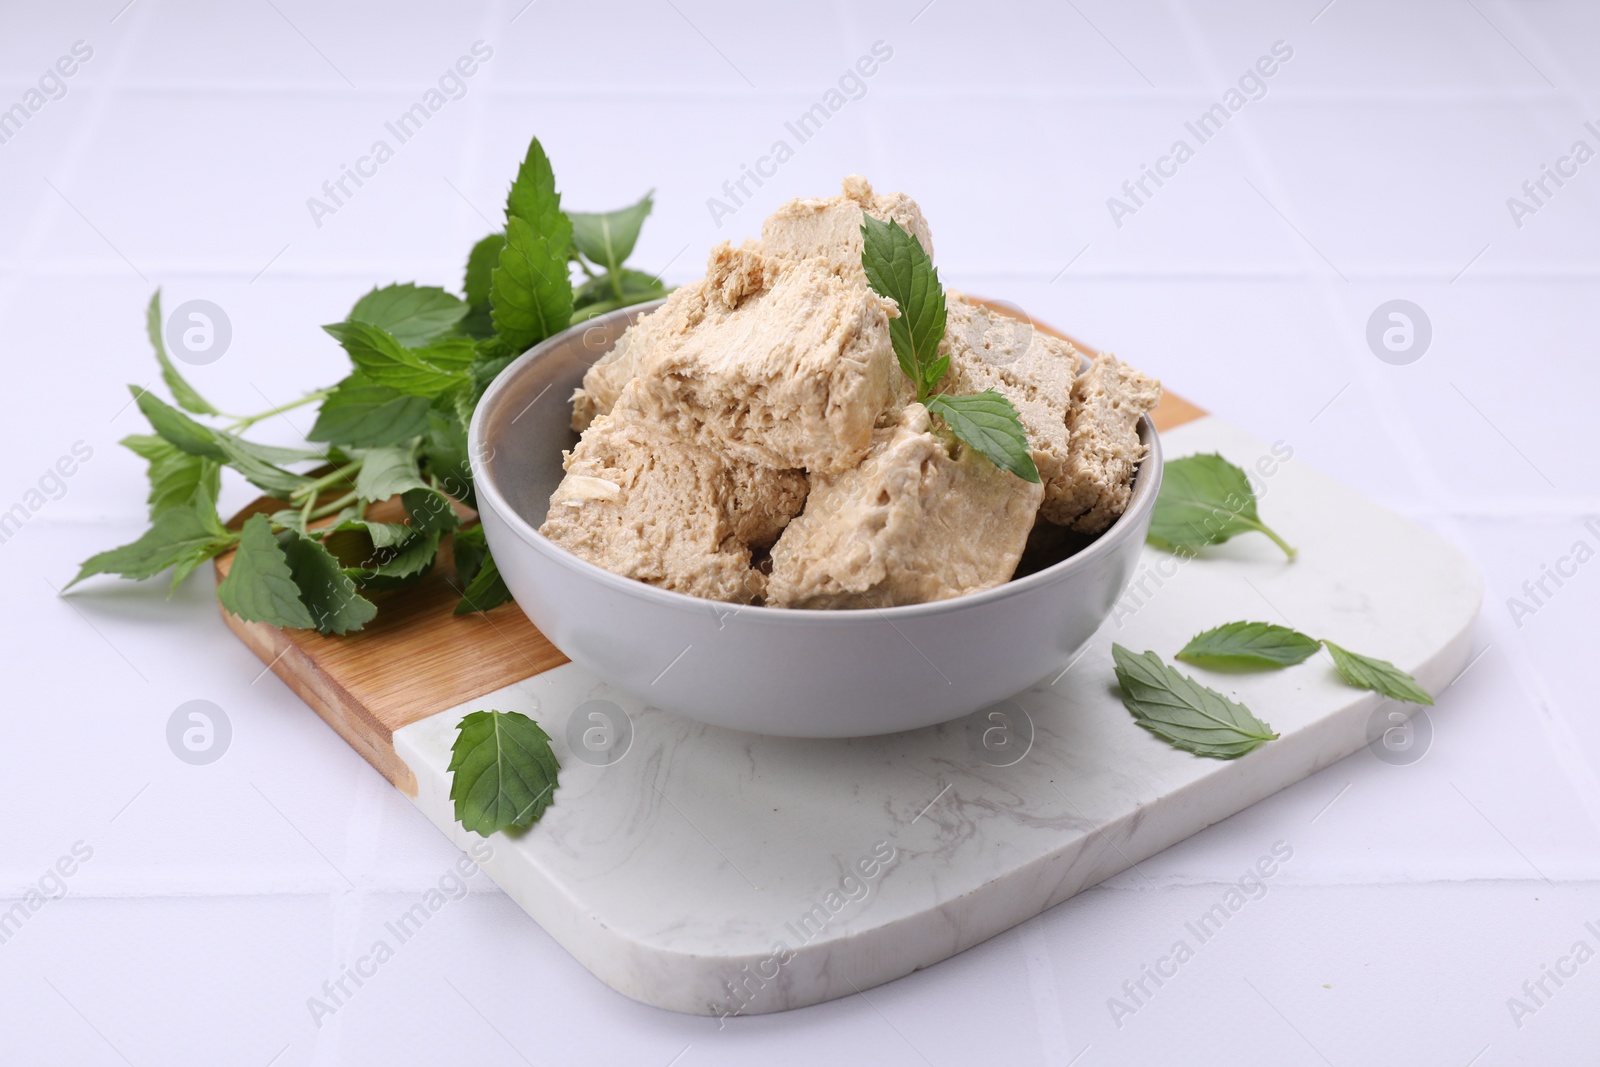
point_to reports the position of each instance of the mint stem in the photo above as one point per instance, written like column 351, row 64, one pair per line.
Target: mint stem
column 245, row 421
column 312, row 489
column 329, row 509
column 1288, row 550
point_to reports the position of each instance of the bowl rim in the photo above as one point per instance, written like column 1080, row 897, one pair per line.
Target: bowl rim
column 1146, row 484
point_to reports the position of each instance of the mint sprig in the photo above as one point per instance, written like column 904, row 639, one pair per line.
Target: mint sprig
column 502, row 771
column 1205, row 500
column 420, row 357
column 898, row 268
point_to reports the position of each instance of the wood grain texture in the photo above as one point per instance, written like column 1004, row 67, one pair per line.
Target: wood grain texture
column 416, row 658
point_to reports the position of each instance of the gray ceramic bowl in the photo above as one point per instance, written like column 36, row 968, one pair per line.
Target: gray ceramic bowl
column 798, row 673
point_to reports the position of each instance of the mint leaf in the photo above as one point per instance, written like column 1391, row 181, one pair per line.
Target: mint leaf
column 390, row 568
column 430, row 510
column 352, row 539
column 189, row 436
column 260, row 586
column 502, row 771
column 273, row 453
column 607, row 239
column 988, row 422
column 1184, row 713
column 381, row 555
column 327, row 595
column 481, row 261
column 388, row 471
column 486, row 589
column 185, row 564
column 176, row 427
column 444, row 449
column 637, row 287
column 534, row 200
column 898, row 268
column 182, row 391
column 177, row 535
column 361, row 414
column 486, row 370
column 1249, row 644
column 469, row 548
column 530, row 291
column 1205, row 500
column 598, row 295
column 382, row 360
column 413, row 315
column 1378, row 675
column 173, row 473
column 242, row 456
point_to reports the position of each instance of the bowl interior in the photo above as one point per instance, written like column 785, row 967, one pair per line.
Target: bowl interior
column 529, row 421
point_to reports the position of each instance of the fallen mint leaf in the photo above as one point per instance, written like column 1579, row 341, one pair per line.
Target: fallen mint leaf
column 1249, row 644
column 1378, row 675
column 502, row 771
column 1205, row 500
column 1183, row 712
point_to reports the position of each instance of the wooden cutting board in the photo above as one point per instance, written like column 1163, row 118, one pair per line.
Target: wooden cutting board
column 416, row 658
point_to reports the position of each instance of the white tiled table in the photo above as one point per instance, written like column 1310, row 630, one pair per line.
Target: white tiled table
column 1377, row 165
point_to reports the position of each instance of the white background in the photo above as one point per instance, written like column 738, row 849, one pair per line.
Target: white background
column 1377, row 166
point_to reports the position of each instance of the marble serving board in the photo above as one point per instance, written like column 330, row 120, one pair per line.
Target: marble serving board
column 721, row 873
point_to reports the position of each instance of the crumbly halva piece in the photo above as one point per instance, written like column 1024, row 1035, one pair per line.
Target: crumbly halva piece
column 910, row 524
column 1083, row 428
column 642, row 504
column 830, row 229
column 1103, row 429
column 776, row 362
column 603, row 382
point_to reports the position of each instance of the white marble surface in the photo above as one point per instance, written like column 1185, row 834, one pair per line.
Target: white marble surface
column 784, row 872
column 220, row 898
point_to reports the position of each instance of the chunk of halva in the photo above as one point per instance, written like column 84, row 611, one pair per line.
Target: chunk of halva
column 1083, row 428
column 829, row 228
column 1103, row 445
column 642, row 504
column 603, row 382
column 921, row 518
column 773, row 362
